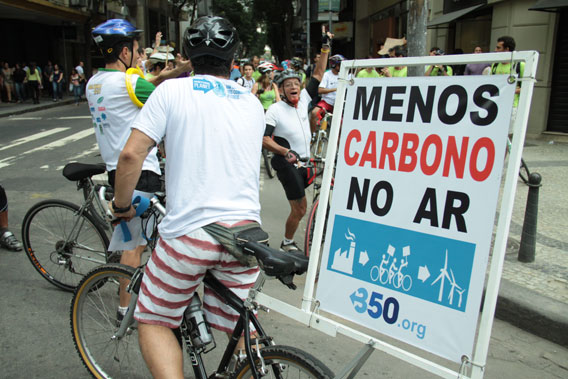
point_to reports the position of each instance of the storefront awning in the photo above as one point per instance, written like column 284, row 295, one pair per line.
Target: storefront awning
column 549, row 5
column 449, row 17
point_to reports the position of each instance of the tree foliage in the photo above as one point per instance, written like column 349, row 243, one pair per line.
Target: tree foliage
column 239, row 13
column 277, row 19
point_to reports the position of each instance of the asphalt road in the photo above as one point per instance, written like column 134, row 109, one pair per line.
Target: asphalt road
column 35, row 338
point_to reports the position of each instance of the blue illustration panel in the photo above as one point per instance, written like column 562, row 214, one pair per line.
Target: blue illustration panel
column 432, row 268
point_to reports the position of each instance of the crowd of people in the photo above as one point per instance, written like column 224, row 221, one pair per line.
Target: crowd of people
column 212, row 123
column 28, row 81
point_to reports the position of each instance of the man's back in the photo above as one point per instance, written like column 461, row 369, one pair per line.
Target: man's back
column 113, row 112
column 213, row 132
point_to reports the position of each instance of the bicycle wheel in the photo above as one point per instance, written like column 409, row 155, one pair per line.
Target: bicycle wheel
column 93, row 208
column 267, row 156
column 524, row 172
column 311, row 227
column 288, row 362
column 62, row 245
column 94, row 324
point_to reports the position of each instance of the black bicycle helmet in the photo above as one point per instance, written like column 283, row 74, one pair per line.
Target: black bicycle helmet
column 335, row 60
column 108, row 34
column 297, row 63
column 210, row 35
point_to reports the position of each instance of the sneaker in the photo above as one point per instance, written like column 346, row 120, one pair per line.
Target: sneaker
column 290, row 247
column 9, row 241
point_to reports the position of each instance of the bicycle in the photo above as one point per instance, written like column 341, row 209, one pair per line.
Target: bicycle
column 311, row 222
column 524, row 171
column 109, row 348
column 65, row 241
column 319, row 141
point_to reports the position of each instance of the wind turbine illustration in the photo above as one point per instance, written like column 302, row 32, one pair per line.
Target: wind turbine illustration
column 454, row 288
column 443, row 275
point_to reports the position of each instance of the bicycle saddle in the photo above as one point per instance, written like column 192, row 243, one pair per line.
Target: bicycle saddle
column 276, row 263
column 77, row 171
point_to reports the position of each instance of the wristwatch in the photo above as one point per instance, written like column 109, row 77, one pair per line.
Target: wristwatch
column 120, row 210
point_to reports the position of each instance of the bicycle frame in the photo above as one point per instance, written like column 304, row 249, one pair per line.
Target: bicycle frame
column 246, row 316
column 78, row 225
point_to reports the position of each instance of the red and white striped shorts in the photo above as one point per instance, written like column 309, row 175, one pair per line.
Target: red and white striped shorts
column 175, row 270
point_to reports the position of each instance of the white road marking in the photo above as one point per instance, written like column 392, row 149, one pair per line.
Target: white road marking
column 23, row 118
column 33, row 137
column 73, row 118
column 45, row 167
column 50, row 146
column 90, row 152
column 64, row 141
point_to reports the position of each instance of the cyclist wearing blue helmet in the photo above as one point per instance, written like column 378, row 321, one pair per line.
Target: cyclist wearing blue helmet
column 111, row 94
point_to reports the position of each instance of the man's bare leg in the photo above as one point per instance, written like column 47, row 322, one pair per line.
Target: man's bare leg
column 130, row 258
column 161, row 351
column 297, row 211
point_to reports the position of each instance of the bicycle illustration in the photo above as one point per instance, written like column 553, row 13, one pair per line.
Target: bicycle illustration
column 392, row 276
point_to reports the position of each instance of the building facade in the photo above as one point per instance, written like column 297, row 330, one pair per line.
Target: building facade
column 465, row 24
column 60, row 30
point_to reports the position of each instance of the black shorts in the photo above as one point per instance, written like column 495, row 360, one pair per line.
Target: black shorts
column 149, row 181
column 293, row 179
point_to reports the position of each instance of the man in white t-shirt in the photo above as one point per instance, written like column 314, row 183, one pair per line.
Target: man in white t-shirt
column 247, row 80
column 113, row 111
column 213, row 129
column 327, row 89
column 288, row 136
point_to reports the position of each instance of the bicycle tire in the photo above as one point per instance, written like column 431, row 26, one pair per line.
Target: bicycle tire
column 286, row 358
column 94, row 323
column 309, row 236
column 97, row 216
column 310, row 227
column 524, row 172
column 267, row 164
column 45, row 231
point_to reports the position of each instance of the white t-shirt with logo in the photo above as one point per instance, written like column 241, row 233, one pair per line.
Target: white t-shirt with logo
column 329, row 80
column 292, row 124
column 113, row 113
column 213, row 131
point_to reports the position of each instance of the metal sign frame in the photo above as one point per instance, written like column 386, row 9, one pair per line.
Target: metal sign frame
column 308, row 314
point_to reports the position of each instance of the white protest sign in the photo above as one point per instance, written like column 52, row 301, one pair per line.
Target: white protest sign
column 416, row 187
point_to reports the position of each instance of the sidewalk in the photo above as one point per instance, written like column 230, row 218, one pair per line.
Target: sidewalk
column 11, row 109
column 532, row 296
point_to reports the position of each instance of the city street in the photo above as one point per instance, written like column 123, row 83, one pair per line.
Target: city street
column 35, row 335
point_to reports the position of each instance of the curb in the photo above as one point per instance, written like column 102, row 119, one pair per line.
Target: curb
column 34, row 108
column 533, row 312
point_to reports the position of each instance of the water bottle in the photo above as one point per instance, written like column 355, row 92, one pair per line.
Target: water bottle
column 199, row 330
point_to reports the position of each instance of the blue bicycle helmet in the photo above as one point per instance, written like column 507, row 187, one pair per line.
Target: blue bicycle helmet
column 108, row 34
